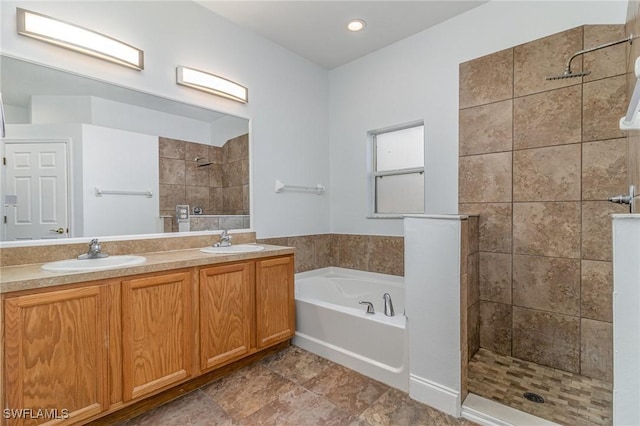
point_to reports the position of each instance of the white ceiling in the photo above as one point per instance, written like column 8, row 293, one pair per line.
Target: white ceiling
column 317, row 30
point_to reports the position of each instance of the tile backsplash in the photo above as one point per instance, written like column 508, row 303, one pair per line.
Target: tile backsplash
column 371, row 253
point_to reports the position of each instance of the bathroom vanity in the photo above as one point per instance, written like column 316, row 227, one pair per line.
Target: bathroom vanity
column 84, row 345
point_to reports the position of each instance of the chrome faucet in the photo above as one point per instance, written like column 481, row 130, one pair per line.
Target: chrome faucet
column 369, row 306
column 388, row 305
column 94, row 251
column 225, row 239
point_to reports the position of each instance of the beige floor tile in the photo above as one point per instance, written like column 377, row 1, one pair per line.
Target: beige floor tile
column 395, row 408
column 246, row 391
column 299, row 407
column 296, row 364
column 347, row 389
column 261, row 394
column 195, row 408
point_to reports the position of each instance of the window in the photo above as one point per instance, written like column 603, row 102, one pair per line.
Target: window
column 398, row 171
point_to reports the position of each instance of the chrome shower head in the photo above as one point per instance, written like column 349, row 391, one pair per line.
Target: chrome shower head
column 569, row 74
column 567, row 69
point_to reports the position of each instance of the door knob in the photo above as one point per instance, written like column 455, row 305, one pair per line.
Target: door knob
column 59, row 230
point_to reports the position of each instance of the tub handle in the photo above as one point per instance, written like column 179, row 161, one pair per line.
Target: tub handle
column 369, row 307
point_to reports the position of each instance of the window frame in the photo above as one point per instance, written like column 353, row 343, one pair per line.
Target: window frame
column 373, row 173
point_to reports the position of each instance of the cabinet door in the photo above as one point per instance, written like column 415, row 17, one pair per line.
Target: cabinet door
column 56, row 354
column 275, row 305
column 156, row 333
column 225, row 313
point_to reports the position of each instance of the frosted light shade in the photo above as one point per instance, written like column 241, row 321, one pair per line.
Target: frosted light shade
column 69, row 36
column 211, row 83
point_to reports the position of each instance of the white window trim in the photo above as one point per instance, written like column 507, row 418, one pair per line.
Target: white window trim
column 371, row 158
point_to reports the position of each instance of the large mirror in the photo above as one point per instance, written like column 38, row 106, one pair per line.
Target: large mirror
column 86, row 158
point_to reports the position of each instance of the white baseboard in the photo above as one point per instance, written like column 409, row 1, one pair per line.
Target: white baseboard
column 435, row 395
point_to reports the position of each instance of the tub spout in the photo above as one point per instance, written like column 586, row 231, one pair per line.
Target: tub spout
column 369, row 307
column 388, row 305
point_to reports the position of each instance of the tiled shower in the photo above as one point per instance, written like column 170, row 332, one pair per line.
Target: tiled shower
column 538, row 160
column 220, row 189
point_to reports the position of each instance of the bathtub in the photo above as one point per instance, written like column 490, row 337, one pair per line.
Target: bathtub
column 332, row 324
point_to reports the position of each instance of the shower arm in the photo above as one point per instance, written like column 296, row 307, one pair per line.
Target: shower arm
column 592, row 49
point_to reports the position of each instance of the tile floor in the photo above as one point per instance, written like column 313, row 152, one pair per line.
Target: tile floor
column 295, row 387
column 570, row 399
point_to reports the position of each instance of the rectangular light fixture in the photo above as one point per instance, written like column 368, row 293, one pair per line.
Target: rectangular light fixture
column 69, row 36
column 211, row 83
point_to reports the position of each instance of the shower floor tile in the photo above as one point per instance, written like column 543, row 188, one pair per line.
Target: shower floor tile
column 570, row 399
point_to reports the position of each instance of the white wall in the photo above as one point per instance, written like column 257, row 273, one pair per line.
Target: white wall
column 118, row 115
column 60, row 109
column 626, row 319
column 16, row 115
column 289, row 95
column 226, row 128
column 417, row 78
column 136, row 156
column 432, row 293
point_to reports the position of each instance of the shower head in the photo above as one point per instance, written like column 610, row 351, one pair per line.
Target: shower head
column 569, row 74
column 567, row 70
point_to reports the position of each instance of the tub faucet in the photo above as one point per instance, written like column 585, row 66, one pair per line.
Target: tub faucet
column 225, row 239
column 94, row 251
column 369, row 306
column 388, row 305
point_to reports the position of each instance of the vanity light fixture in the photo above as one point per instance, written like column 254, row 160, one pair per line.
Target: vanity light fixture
column 73, row 37
column 355, row 25
column 211, row 83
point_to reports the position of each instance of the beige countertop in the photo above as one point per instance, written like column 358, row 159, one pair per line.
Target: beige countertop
column 28, row 277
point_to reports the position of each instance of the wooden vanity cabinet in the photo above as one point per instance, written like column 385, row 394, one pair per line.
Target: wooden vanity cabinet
column 226, row 314
column 275, row 304
column 56, row 354
column 245, row 307
column 95, row 348
column 157, row 343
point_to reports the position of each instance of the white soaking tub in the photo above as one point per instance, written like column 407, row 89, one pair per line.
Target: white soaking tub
column 331, row 323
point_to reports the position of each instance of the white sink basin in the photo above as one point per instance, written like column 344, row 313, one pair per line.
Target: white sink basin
column 88, row 265
column 234, row 249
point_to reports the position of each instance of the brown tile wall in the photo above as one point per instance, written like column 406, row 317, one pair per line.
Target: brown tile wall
column 633, row 137
column 538, row 160
column 470, row 294
column 219, row 189
column 370, row 253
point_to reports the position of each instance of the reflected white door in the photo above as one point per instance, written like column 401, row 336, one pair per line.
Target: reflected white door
column 36, row 173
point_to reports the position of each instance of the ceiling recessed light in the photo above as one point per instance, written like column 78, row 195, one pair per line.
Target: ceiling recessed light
column 356, row 25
